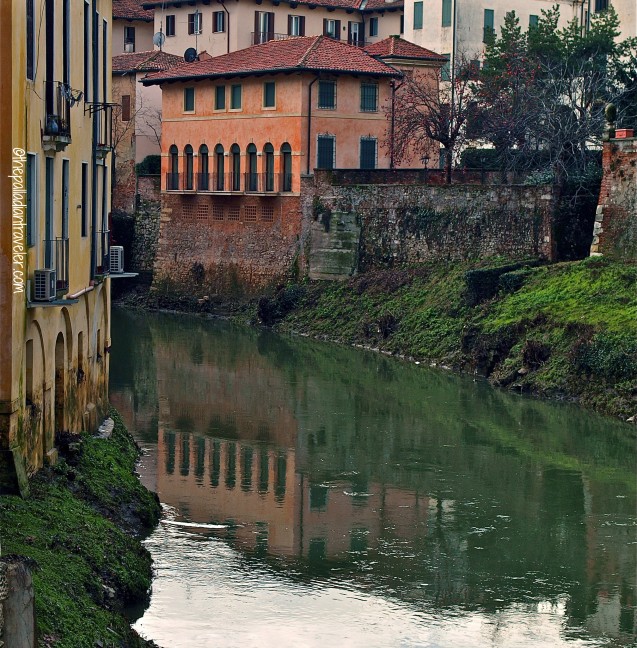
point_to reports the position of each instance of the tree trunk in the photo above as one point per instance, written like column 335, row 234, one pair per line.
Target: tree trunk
column 448, row 165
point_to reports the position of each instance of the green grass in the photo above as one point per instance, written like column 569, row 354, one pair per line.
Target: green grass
column 583, row 313
column 76, row 552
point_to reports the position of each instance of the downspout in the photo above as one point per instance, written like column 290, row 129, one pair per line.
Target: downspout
column 309, row 121
column 223, row 4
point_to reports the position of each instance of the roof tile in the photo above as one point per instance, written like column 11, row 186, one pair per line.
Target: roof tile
column 131, row 10
column 396, row 47
column 308, row 53
column 362, row 5
column 152, row 61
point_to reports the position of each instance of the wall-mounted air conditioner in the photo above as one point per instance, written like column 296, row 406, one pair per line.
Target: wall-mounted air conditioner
column 117, row 259
column 44, row 285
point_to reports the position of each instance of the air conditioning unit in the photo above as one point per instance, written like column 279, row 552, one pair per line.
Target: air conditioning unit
column 117, row 259
column 44, row 285
column 129, row 48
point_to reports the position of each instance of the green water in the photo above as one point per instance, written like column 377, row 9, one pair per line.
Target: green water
column 318, row 495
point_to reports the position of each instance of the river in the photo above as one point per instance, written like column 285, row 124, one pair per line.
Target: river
column 316, row 495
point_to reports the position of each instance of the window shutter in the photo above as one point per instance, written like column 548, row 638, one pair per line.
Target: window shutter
column 270, row 25
column 191, row 23
column 289, row 25
column 302, row 26
column 257, row 35
column 324, row 26
column 125, row 107
column 338, row 29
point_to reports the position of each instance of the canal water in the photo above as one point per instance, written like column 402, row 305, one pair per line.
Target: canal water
column 319, row 496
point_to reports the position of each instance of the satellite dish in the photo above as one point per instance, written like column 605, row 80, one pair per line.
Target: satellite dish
column 159, row 39
column 190, row 55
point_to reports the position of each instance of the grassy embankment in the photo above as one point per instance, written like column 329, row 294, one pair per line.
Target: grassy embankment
column 80, row 530
column 567, row 330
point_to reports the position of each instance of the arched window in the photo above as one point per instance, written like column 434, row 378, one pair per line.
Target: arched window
column 252, row 180
column 172, row 179
column 235, row 152
column 286, row 167
column 220, row 168
column 268, row 153
column 188, row 167
column 203, row 183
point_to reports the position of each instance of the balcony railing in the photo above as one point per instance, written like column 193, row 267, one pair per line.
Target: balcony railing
column 230, row 182
column 57, row 123
column 257, row 38
column 102, row 250
column 56, row 256
column 357, row 41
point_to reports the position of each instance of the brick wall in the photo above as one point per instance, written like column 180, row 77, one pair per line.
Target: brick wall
column 410, row 223
column 615, row 230
column 226, row 245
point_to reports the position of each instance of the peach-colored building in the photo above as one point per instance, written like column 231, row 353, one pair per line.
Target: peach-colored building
column 241, row 130
column 132, row 27
column 224, row 27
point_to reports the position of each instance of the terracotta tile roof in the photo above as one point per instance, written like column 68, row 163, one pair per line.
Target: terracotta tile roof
column 361, row 5
column 132, row 10
column 152, row 61
column 307, row 53
column 396, row 47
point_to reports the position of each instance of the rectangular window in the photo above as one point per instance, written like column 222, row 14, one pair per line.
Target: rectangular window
column 418, row 15
column 327, row 95
column 369, row 97
column 445, row 70
column 269, row 94
column 235, row 97
column 355, row 31
column 332, row 28
column 189, row 100
column 446, row 13
column 489, row 22
column 194, row 23
column 220, row 97
column 263, row 27
column 533, row 21
column 296, row 25
column 170, row 25
column 87, row 32
column 32, row 198
column 48, row 213
column 125, row 108
column 84, row 208
column 218, row 21
column 601, row 5
column 30, row 40
column 325, row 152
column 368, row 153
column 373, row 26
column 129, row 39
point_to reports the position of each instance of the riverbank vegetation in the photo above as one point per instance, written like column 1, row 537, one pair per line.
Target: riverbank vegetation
column 565, row 331
column 80, row 533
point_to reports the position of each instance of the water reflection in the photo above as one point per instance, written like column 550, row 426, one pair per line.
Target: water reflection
column 425, row 494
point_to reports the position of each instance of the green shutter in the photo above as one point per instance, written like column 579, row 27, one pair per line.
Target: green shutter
column 488, row 25
column 235, row 97
column 269, row 94
column 446, row 13
column 220, row 97
column 533, row 21
column 417, row 15
column 189, row 99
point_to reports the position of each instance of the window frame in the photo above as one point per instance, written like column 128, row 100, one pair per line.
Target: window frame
column 362, row 107
column 218, row 16
column 185, row 105
column 319, row 104
column 447, row 14
column 301, row 24
column 220, row 91
column 418, row 14
column 488, row 30
column 195, row 25
column 267, row 84
column 127, row 39
column 233, row 87
column 360, row 152
column 326, row 136
column 373, row 26
column 171, row 24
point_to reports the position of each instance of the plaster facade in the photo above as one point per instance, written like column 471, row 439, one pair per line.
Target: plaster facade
column 54, row 142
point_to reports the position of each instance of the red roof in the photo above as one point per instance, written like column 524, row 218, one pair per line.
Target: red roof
column 152, row 61
column 360, row 5
column 307, row 53
column 396, row 47
column 132, row 10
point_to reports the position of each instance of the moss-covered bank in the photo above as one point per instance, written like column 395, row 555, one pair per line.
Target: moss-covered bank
column 80, row 531
column 567, row 330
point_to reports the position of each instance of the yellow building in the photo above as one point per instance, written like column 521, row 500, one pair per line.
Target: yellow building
column 55, row 169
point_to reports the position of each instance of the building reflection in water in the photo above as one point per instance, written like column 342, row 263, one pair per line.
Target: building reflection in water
column 427, row 486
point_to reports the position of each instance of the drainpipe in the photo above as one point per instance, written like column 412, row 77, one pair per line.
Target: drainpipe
column 223, row 4
column 80, row 292
column 309, row 121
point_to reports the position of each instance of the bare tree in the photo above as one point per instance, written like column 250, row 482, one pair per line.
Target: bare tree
column 424, row 111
